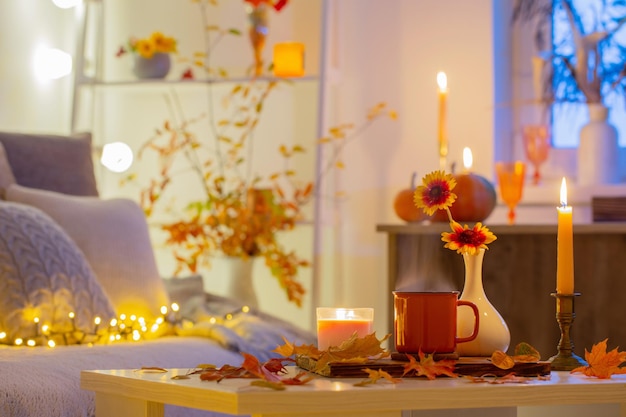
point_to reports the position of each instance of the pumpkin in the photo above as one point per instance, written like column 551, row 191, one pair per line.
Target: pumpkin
column 404, row 206
column 476, row 199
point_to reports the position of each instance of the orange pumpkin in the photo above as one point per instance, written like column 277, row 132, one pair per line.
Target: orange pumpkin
column 404, row 206
column 476, row 199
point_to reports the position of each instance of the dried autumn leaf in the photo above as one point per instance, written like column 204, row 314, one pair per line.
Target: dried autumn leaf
column 298, row 379
column 267, row 384
column 373, row 376
column 494, row 379
column 428, row 367
column 602, row 364
column 502, row 360
column 289, row 349
column 354, row 350
column 153, row 369
column 526, row 353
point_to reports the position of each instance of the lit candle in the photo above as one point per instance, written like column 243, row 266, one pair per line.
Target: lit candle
column 336, row 325
column 442, row 82
column 289, row 59
column 565, row 246
column 468, row 159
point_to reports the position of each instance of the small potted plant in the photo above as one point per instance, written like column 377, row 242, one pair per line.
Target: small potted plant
column 151, row 55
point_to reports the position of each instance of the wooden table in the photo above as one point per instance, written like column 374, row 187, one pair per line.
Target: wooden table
column 126, row 393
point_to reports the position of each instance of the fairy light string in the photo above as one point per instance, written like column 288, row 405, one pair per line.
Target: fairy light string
column 124, row 328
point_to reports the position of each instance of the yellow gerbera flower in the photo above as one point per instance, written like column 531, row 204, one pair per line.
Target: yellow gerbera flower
column 145, row 48
column 163, row 43
column 466, row 240
column 435, row 193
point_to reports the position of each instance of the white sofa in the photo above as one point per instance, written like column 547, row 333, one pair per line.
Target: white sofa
column 69, row 259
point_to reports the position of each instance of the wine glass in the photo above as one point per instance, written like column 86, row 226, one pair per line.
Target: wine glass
column 536, row 145
column 511, row 184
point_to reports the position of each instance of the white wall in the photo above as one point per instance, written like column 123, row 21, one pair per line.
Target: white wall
column 25, row 103
column 392, row 51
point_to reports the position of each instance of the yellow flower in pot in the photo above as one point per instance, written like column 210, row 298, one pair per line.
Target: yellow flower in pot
column 151, row 55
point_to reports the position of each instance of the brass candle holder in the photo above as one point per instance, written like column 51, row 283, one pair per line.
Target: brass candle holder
column 565, row 359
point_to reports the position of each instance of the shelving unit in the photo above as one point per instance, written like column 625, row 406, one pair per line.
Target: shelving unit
column 103, row 94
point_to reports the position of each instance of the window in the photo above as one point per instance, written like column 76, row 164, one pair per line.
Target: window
column 593, row 15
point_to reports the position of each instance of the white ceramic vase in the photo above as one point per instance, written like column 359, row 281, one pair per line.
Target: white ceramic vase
column 493, row 333
column 237, row 274
column 598, row 149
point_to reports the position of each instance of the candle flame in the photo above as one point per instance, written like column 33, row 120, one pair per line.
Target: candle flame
column 468, row 159
column 442, row 81
column 563, row 193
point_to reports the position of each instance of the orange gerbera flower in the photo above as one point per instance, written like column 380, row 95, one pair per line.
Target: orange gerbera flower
column 435, row 193
column 466, row 240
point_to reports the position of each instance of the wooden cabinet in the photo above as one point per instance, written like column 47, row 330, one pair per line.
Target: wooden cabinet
column 519, row 274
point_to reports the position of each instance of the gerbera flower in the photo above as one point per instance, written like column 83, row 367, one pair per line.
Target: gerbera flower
column 145, row 48
column 466, row 240
column 435, row 193
column 162, row 43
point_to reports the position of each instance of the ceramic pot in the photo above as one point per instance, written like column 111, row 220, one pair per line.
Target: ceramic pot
column 598, row 149
column 493, row 332
column 156, row 67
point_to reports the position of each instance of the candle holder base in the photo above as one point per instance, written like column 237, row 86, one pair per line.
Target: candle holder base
column 566, row 363
column 565, row 359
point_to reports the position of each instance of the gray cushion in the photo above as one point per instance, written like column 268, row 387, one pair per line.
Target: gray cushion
column 43, row 274
column 113, row 235
column 6, row 174
column 57, row 163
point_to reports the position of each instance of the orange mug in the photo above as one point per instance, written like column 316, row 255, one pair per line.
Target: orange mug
column 426, row 321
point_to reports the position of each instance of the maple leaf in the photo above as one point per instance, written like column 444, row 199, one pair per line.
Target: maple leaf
column 187, row 75
column 354, row 350
column 226, row 371
column 289, row 349
column 602, row 364
column 276, row 365
column 374, row 376
column 428, row 367
column 298, row 379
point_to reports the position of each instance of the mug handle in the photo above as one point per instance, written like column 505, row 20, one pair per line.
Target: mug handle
column 476, row 317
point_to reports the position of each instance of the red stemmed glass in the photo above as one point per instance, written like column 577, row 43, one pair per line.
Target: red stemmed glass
column 536, row 144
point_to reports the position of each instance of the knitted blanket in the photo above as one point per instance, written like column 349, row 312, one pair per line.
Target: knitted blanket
column 45, row 382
